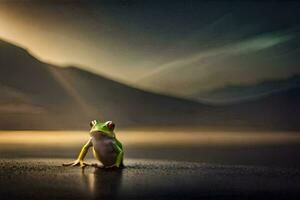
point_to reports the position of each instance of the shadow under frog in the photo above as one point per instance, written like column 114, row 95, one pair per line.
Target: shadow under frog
column 103, row 183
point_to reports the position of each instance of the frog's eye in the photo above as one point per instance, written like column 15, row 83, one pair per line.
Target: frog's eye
column 111, row 125
column 91, row 124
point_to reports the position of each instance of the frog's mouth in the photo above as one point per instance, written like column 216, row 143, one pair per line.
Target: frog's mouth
column 98, row 132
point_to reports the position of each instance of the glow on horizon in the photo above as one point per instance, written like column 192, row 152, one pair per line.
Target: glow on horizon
column 149, row 137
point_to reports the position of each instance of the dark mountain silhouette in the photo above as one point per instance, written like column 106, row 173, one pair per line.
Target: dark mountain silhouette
column 279, row 110
column 37, row 95
column 238, row 93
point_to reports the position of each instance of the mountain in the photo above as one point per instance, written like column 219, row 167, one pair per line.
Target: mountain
column 238, row 93
column 37, row 95
column 40, row 95
column 279, row 110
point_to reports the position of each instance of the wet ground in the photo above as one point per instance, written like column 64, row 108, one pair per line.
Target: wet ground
column 30, row 168
column 145, row 179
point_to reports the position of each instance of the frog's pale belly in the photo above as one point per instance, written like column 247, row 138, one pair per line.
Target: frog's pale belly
column 104, row 150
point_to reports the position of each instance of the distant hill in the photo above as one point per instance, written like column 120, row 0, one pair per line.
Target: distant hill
column 238, row 93
column 37, row 95
column 280, row 110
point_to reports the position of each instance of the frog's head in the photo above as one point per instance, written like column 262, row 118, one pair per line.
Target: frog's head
column 107, row 127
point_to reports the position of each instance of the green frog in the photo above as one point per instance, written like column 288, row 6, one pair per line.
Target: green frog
column 106, row 147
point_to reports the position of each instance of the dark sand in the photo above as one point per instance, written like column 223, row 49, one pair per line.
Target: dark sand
column 145, row 179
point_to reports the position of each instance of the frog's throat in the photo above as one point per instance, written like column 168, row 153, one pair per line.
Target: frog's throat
column 109, row 134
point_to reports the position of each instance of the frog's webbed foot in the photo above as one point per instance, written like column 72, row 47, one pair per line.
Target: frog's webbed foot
column 92, row 165
column 77, row 163
column 112, row 167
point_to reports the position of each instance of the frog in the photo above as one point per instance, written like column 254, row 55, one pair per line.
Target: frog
column 106, row 147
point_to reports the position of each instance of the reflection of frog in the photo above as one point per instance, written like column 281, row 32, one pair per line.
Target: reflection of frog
column 106, row 148
column 102, row 183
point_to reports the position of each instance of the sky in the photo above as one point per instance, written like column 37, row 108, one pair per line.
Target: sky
column 173, row 47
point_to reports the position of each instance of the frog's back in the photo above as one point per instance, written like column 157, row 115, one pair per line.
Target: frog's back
column 103, row 148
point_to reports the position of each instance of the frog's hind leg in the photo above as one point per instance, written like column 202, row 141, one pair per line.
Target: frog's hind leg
column 122, row 164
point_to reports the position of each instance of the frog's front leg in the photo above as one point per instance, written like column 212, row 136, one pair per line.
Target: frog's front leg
column 120, row 155
column 81, row 156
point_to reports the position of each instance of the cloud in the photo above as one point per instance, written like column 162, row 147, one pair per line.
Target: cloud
column 246, row 46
